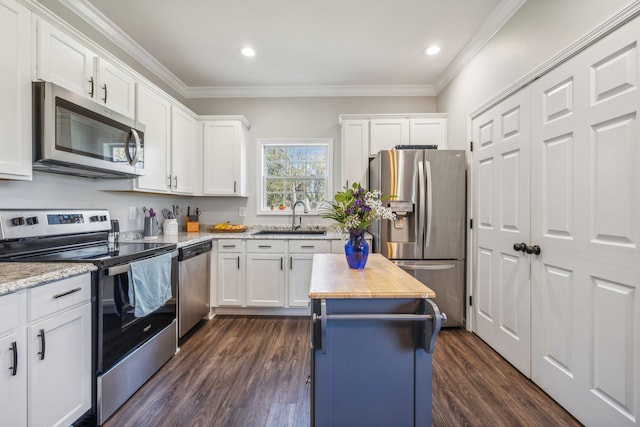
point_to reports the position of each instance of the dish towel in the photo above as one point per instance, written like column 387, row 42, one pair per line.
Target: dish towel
column 151, row 284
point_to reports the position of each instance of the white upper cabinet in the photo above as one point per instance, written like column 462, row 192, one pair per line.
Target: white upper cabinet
column 15, row 102
column 185, row 152
column 355, row 151
column 426, row 131
column 68, row 63
column 387, row 133
column 154, row 112
column 224, row 166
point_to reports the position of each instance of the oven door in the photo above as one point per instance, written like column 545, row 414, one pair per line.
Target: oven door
column 119, row 331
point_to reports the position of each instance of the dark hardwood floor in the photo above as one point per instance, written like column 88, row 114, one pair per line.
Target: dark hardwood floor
column 251, row 371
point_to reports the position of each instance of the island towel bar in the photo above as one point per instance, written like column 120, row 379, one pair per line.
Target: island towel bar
column 427, row 335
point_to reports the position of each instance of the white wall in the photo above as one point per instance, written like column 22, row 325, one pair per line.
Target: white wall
column 537, row 32
column 299, row 118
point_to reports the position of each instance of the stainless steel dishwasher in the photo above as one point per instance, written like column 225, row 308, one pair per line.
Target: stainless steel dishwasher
column 194, row 265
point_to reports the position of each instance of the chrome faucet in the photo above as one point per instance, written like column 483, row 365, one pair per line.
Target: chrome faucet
column 293, row 214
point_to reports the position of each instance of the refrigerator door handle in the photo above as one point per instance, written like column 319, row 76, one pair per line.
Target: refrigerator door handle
column 429, row 203
column 421, row 207
column 411, row 266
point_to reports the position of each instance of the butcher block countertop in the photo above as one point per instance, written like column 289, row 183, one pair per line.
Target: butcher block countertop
column 331, row 277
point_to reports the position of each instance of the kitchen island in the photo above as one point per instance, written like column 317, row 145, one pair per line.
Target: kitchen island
column 373, row 333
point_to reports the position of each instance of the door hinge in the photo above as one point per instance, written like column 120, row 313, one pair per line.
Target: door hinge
column 471, row 223
column 471, row 145
column 470, row 300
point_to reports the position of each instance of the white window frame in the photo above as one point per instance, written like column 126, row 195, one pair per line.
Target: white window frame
column 261, row 208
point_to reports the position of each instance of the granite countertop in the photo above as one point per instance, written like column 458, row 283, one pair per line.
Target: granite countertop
column 19, row 275
column 183, row 238
column 331, row 277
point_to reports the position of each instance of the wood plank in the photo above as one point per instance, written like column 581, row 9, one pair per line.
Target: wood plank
column 331, row 277
column 251, row 371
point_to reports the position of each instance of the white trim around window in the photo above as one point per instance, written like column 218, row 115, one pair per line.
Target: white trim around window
column 298, row 168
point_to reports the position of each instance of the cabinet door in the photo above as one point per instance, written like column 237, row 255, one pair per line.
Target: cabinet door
column 428, row 132
column 265, row 280
column 299, row 279
column 224, row 165
column 154, row 111
column 116, row 88
column 355, row 152
column 15, row 102
column 60, row 379
column 13, row 356
column 230, row 283
column 65, row 62
column 387, row 133
column 185, row 160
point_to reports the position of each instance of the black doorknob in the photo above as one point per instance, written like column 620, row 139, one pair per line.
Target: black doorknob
column 535, row 249
column 520, row 247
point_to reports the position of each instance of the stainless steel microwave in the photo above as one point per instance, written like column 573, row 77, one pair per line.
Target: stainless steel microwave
column 74, row 135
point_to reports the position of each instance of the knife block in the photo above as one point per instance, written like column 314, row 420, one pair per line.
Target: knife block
column 192, row 224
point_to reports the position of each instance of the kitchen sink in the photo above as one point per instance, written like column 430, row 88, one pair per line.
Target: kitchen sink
column 289, row 232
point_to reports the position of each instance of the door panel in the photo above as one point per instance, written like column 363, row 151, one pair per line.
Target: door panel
column 501, row 165
column 586, row 219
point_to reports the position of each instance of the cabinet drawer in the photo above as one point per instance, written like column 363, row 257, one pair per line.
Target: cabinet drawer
column 277, row 246
column 10, row 311
column 52, row 297
column 230, row 245
column 309, row 246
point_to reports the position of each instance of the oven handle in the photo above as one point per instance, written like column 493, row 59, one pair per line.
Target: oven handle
column 124, row 268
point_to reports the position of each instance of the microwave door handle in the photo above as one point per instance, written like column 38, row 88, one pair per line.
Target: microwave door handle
column 133, row 160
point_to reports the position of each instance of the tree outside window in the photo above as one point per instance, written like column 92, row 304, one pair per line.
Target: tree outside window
column 295, row 170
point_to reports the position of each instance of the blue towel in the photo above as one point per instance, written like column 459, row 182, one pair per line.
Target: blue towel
column 151, row 284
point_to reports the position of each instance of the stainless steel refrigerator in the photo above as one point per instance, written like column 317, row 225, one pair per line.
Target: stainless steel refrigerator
column 428, row 237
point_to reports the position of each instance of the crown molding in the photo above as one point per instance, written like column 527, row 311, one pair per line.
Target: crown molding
column 500, row 15
column 106, row 27
column 309, row 91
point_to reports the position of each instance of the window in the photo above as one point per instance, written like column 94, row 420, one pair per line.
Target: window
column 292, row 170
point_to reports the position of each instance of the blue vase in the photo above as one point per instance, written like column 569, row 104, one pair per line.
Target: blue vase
column 356, row 249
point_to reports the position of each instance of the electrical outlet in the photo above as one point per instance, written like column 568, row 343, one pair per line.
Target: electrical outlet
column 242, row 211
column 133, row 212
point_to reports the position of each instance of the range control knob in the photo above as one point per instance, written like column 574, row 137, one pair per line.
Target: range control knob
column 17, row 220
column 33, row 220
column 103, row 217
column 94, row 218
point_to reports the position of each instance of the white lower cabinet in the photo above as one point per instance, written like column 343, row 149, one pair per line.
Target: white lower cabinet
column 13, row 353
column 265, row 273
column 300, row 263
column 230, row 272
column 47, row 354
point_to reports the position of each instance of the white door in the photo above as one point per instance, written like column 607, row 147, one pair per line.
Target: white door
column 60, row 379
column 586, row 219
column 387, row 133
column 154, row 111
column 116, row 89
column 501, row 161
column 222, row 154
column 428, row 132
column 185, row 161
column 230, row 279
column 299, row 279
column 265, row 280
column 355, row 152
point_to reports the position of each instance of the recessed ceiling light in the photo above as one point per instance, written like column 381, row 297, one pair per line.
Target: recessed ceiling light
column 248, row 51
column 432, row 50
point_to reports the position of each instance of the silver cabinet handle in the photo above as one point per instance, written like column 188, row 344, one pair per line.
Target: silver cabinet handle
column 264, row 246
column 105, row 93
column 308, row 246
column 169, row 185
column 91, row 91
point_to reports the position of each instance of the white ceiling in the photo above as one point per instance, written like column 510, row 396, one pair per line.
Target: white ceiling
column 331, row 47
